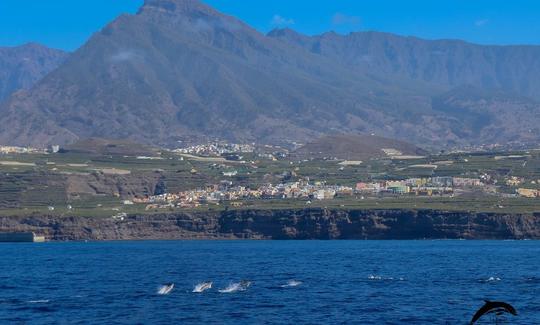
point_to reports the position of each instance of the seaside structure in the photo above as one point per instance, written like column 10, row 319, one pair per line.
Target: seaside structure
column 20, row 237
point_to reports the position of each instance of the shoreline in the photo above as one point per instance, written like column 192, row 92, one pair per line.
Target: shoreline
column 283, row 224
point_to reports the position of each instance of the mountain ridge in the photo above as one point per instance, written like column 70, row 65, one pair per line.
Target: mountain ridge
column 23, row 65
column 369, row 45
column 179, row 70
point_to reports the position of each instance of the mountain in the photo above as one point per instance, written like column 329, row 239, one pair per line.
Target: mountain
column 440, row 63
column 22, row 66
column 179, row 70
column 355, row 147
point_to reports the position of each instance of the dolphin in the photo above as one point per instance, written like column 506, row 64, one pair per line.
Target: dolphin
column 496, row 307
column 165, row 289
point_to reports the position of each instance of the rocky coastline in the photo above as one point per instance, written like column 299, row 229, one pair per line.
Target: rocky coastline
column 301, row 224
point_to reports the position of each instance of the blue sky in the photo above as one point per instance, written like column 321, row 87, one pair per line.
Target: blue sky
column 67, row 24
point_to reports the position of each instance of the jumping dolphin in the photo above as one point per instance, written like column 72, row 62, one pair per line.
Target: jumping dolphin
column 496, row 307
column 165, row 289
column 202, row 287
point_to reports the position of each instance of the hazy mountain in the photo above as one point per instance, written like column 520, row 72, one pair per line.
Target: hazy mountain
column 442, row 63
column 22, row 66
column 179, row 70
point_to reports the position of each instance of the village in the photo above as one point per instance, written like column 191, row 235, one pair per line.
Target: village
column 244, row 175
column 308, row 191
column 216, row 149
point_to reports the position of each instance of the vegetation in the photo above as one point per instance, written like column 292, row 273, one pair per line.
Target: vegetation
column 36, row 183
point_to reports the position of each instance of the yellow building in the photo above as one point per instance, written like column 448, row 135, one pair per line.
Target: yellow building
column 527, row 192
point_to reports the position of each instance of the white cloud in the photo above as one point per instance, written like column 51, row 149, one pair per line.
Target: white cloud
column 280, row 21
column 481, row 22
column 342, row 19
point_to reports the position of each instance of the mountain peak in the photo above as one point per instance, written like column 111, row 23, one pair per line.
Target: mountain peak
column 176, row 6
column 288, row 34
column 282, row 32
column 182, row 71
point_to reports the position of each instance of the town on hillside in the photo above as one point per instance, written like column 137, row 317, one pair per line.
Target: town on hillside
column 235, row 174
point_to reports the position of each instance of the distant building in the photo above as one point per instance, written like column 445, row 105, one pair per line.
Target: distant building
column 368, row 187
column 442, row 181
column 398, row 189
column 324, row 194
column 466, row 182
column 514, row 181
column 528, row 193
column 54, row 148
column 16, row 237
column 361, row 186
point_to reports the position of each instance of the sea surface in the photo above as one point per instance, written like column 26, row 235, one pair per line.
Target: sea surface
column 291, row 282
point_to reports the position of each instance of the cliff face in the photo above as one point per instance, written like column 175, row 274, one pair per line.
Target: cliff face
column 285, row 224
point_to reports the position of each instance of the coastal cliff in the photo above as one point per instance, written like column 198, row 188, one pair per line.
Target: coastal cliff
column 284, row 224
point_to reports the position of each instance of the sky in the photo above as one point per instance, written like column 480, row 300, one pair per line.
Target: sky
column 67, row 24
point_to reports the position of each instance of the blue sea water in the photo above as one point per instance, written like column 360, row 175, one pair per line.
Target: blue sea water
column 342, row 282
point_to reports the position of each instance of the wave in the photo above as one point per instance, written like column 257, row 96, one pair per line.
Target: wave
column 202, row 287
column 42, row 301
column 292, row 283
column 375, row 277
column 235, row 287
column 491, row 279
column 165, row 289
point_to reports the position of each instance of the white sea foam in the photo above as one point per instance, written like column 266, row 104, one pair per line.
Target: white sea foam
column 375, row 277
column 165, row 289
column 292, row 283
column 202, row 287
column 42, row 301
column 492, row 278
column 235, row 287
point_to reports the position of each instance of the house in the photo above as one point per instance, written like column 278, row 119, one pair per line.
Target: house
column 361, row 186
column 466, row 182
column 444, row 181
column 514, row 181
column 368, row 187
column 324, row 194
column 398, row 189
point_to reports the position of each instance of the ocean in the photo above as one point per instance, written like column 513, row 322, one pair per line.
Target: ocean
column 267, row 282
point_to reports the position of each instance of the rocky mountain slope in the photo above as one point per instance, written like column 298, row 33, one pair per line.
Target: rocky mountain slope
column 179, row 70
column 22, row 66
column 439, row 63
